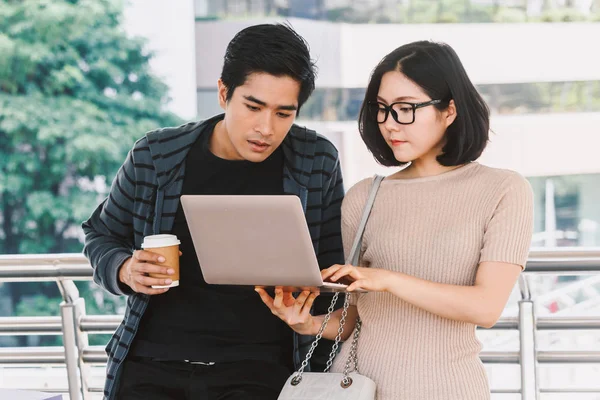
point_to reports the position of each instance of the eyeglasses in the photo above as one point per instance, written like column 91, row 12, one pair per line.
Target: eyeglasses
column 402, row 112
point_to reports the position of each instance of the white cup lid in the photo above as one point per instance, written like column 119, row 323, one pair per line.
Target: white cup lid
column 154, row 241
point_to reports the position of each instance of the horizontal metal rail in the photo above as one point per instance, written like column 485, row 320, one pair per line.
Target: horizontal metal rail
column 570, row 390
column 101, row 323
column 107, row 324
column 64, row 268
column 564, row 261
column 95, row 355
column 100, row 389
column 44, row 267
column 30, row 326
column 584, row 322
column 35, row 267
column 52, row 355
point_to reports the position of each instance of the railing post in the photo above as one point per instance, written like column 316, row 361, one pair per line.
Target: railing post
column 82, row 343
column 527, row 351
column 69, row 313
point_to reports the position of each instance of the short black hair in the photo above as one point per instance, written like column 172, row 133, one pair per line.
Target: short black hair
column 275, row 49
column 436, row 68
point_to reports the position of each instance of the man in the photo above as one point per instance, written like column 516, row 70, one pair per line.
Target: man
column 205, row 341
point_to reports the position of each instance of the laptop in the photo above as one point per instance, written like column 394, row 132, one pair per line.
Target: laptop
column 254, row 241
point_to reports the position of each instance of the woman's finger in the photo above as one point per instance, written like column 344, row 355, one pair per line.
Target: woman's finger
column 346, row 270
column 356, row 285
column 326, row 273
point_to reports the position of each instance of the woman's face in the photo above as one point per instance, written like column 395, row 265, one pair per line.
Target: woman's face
column 423, row 138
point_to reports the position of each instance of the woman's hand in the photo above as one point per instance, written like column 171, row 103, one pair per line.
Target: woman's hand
column 371, row 279
column 293, row 311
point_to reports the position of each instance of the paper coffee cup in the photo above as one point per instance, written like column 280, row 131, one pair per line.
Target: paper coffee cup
column 168, row 247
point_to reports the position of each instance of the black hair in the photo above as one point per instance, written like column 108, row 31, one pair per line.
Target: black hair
column 436, row 68
column 275, row 49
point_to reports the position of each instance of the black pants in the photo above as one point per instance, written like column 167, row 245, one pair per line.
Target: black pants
column 173, row 380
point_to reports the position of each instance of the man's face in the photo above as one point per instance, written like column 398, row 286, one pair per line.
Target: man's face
column 258, row 117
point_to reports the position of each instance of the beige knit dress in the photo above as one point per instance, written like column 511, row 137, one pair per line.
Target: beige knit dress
column 436, row 228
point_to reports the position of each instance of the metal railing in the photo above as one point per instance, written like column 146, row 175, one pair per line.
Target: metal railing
column 77, row 355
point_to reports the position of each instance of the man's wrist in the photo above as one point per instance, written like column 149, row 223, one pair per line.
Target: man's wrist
column 317, row 321
column 121, row 274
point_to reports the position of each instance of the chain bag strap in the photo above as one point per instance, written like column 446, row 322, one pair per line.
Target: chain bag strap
column 352, row 361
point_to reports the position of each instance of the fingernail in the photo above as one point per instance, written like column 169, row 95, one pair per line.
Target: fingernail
column 256, row 290
column 168, row 281
column 161, row 259
column 170, row 271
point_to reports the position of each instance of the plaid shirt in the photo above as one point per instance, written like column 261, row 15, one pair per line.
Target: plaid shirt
column 144, row 198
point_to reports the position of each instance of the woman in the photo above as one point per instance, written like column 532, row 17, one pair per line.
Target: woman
column 446, row 240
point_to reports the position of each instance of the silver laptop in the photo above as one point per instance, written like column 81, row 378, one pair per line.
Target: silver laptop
column 254, row 240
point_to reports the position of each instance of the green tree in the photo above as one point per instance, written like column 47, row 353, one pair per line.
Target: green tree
column 75, row 92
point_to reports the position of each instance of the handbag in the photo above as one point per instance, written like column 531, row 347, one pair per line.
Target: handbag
column 350, row 384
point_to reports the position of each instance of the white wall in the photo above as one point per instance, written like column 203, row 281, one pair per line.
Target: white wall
column 169, row 28
column 533, row 145
column 212, row 38
column 546, row 144
column 491, row 53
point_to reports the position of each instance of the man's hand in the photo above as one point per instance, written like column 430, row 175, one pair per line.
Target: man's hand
column 134, row 272
column 293, row 311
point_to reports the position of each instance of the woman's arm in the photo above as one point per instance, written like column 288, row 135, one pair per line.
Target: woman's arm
column 505, row 245
column 480, row 304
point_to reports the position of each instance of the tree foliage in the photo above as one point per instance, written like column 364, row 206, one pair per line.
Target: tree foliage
column 75, row 93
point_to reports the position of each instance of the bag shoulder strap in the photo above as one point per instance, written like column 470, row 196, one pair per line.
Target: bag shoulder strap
column 353, row 259
column 356, row 245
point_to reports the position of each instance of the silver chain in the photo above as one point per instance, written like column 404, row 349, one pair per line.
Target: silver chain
column 298, row 375
column 338, row 338
column 352, row 358
column 353, row 260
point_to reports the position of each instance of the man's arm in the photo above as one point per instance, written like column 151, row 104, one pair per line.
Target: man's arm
column 109, row 231
column 331, row 251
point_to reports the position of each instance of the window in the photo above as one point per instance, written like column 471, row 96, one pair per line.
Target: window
column 566, row 210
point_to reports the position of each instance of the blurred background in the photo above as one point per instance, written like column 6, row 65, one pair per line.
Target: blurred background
column 81, row 80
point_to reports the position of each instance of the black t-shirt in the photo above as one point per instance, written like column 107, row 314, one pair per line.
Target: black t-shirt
column 201, row 322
